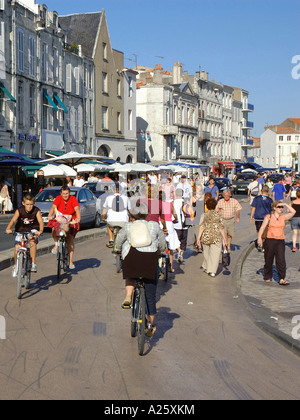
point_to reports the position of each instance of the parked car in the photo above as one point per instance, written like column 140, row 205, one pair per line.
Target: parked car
column 101, row 190
column 241, row 183
column 222, row 184
column 90, row 216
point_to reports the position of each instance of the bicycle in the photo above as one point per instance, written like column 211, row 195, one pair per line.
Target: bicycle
column 164, row 263
column 139, row 322
column 62, row 254
column 118, row 255
column 24, row 262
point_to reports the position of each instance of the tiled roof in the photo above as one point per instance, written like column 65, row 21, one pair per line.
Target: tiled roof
column 295, row 120
column 81, row 29
column 286, row 130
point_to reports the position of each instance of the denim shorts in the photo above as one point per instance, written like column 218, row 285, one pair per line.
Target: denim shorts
column 295, row 223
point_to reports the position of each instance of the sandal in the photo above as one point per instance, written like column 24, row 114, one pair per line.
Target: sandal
column 294, row 249
column 54, row 250
column 284, row 283
column 71, row 266
column 171, row 270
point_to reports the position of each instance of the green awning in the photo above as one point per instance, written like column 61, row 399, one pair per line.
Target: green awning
column 49, row 99
column 61, row 103
column 7, row 92
column 31, row 170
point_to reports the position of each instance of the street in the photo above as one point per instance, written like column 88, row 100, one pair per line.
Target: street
column 71, row 340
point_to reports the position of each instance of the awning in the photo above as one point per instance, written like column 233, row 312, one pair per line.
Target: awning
column 227, row 164
column 63, row 106
column 49, row 99
column 7, row 93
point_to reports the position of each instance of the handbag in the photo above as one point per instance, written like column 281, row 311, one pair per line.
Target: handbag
column 225, row 258
column 265, row 232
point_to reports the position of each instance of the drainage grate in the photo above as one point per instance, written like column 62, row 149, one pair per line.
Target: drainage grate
column 99, row 328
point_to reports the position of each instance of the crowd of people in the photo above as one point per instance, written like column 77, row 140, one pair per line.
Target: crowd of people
column 157, row 211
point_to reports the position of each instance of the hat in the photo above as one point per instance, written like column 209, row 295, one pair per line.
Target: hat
column 183, row 176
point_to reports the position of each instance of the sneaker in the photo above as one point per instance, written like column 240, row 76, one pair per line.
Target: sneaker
column 14, row 272
column 110, row 244
column 212, row 274
column 33, row 268
column 180, row 257
column 150, row 331
column 126, row 304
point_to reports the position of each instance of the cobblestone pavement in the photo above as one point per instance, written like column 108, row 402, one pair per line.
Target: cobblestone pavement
column 274, row 307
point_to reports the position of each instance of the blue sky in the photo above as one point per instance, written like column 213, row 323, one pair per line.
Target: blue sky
column 244, row 43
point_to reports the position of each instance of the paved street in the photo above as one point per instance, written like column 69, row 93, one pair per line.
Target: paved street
column 71, row 340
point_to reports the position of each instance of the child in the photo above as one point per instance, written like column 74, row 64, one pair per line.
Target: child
column 27, row 217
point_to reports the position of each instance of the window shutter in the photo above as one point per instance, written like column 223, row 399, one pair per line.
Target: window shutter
column 69, row 78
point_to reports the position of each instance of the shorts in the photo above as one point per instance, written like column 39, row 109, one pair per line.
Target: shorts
column 18, row 238
column 295, row 223
column 229, row 226
column 112, row 225
column 74, row 229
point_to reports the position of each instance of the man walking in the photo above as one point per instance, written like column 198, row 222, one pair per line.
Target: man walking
column 278, row 191
column 228, row 208
column 260, row 207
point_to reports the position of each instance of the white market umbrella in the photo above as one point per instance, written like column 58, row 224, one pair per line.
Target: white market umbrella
column 67, row 170
column 85, row 167
column 172, row 168
column 133, row 167
column 71, row 159
column 51, row 171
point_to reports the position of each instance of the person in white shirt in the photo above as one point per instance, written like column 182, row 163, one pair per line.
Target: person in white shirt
column 180, row 228
column 186, row 188
column 115, row 212
column 78, row 182
column 153, row 178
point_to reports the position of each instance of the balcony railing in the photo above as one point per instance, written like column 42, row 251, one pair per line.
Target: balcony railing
column 204, row 136
column 248, row 108
column 247, row 125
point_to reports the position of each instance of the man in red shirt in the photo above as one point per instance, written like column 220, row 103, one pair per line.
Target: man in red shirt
column 66, row 204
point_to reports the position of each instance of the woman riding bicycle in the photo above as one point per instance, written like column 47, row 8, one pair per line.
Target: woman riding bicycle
column 67, row 205
column 141, row 243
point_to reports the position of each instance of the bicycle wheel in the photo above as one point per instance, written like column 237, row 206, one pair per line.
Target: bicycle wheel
column 64, row 256
column 135, row 308
column 27, row 275
column 166, row 267
column 59, row 259
column 141, row 324
column 20, row 262
column 118, row 263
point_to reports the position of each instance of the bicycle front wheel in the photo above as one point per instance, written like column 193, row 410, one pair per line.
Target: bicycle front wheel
column 20, row 263
column 135, row 308
column 59, row 260
column 141, row 324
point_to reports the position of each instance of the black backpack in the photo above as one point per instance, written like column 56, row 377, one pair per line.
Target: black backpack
column 118, row 204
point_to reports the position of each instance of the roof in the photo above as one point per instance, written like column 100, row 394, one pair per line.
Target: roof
column 295, row 120
column 286, row 130
column 81, row 29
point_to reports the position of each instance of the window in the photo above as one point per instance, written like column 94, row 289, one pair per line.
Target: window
column 130, row 87
column 118, row 87
column 45, row 113
column 289, row 138
column 55, row 64
column 104, row 83
column 129, row 119
column 44, row 61
column 280, row 138
column 104, row 51
column 31, row 105
column 31, row 56
column 296, row 138
column 21, row 49
column 77, row 80
column 20, row 105
column 119, row 121
column 69, row 77
column 104, row 118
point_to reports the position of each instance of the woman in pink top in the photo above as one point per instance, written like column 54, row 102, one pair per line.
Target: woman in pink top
column 172, row 237
column 274, row 245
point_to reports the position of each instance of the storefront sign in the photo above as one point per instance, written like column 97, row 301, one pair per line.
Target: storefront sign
column 28, row 137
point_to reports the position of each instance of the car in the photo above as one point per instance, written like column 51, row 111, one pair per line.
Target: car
column 241, row 183
column 223, row 184
column 90, row 216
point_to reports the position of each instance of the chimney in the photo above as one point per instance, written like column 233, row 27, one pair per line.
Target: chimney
column 177, row 73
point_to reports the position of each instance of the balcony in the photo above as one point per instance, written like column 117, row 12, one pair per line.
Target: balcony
column 204, row 136
column 247, row 125
column 169, row 130
column 248, row 108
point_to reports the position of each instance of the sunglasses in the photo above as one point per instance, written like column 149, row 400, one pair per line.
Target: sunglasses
column 279, row 207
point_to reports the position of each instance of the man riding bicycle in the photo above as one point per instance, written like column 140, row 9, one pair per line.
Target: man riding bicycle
column 66, row 204
column 115, row 212
column 27, row 218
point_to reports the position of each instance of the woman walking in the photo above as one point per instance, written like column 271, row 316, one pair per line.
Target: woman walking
column 274, row 244
column 211, row 233
column 295, row 222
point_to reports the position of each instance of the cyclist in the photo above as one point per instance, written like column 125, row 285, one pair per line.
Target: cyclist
column 27, row 218
column 115, row 212
column 66, row 204
column 141, row 261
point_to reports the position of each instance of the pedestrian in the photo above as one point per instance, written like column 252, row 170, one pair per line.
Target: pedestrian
column 141, row 260
column 4, row 197
column 186, row 188
column 169, row 190
column 253, row 189
column 295, row 222
column 211, row 235
column 274, row 244
column 261, row 207
column 212, row 188
column 180, row 227
column 229, row 208
column 79, row 181
column 278, row 191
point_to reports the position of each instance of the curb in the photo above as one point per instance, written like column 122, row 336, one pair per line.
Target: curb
column 287, row 341
column 44, row 247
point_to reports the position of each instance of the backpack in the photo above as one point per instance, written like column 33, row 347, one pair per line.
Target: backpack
column 118, row 204
column 139, row 234
column 188, row 215
column 255, row 190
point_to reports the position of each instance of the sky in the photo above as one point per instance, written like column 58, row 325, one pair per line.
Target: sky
column 250, row 44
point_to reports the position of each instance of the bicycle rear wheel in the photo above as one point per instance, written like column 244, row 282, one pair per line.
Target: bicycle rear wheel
column 135, row 309
column 59, row 259
column 20, row 262
column 141, row 324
